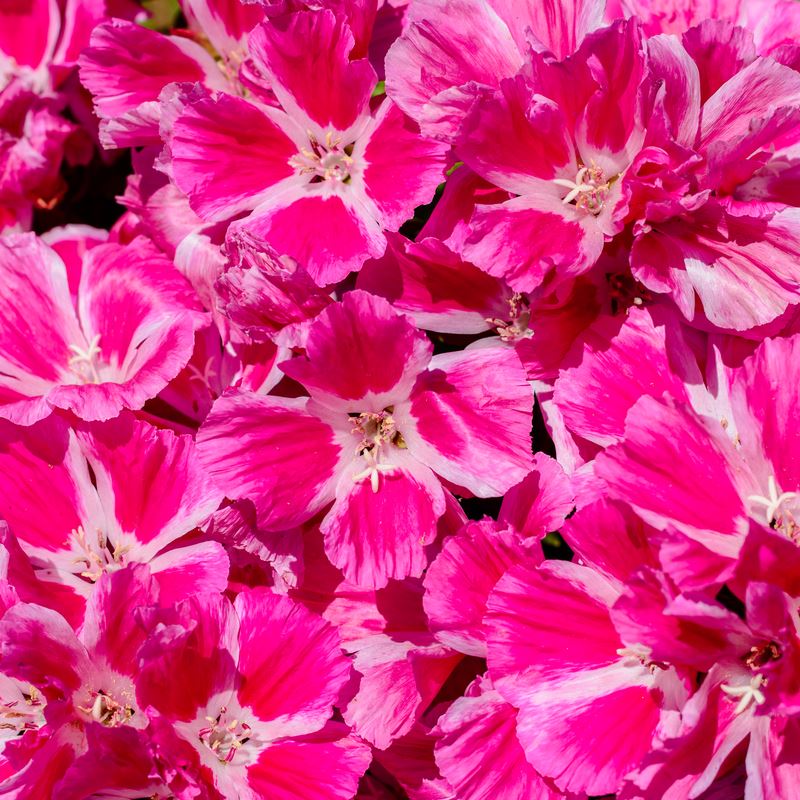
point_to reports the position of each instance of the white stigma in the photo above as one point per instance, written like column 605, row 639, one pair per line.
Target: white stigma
column 748, row 693
column 773, row 501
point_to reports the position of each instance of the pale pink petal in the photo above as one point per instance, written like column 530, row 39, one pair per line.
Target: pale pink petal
column 765, row 394
column 585, row 717
column 670, row 63
column 531, row 621
column 127, row 766
column 611, row 538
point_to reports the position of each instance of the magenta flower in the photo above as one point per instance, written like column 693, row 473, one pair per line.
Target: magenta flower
column 320, row 177
column 383, row 424
column 90, row 500
column 126, row 335
column 254, row 683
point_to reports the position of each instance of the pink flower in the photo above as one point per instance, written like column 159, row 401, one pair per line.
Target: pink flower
column 722, row 471
column 252, row 685
column 76, row 683
column 560, row 140
column 451, row 50
column 86, row 501
column 383, row 420
column 589, row 700
column 318, row 178
column 130, row 330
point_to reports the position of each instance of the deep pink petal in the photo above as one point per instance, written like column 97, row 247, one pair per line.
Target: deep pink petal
column 373, row 536
column 764, row 84
column 363, row 352
column 432, row 284
column 193, row 649
column 455, row 411
column 125, row 88
column 332, row 236
column 437, row 53
column 272, row 451
column 225, row 22
column 478, row 751
column 227, row 154
column 131, row 461
column 29, row 31
column 291, row 663
column 527, row 242
column 518, row 140
column 674, row 470
column 37, row 322
column 183, row 571
column 460, row 579
column 636, row 355
column 304, row 57
column 319, row 768
column 403, row 168
column 540, row 502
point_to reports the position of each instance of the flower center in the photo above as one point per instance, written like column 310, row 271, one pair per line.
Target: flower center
column 107, row 711
column 639, row 655
column 224, row 736
column 519, row 317
column 378, row 433
column 588, row 191
column 85, row 363
column 324, row 161
column 94, row 559
column 749, row 691
column 777, row 508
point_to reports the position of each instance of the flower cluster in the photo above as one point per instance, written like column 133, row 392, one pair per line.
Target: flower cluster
column 423, row 419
